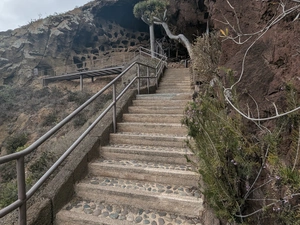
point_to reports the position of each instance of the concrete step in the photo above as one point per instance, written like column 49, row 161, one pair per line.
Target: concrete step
column 148, row 139
column 174, row 84
column 164, row 173
column 176, row 77
column 177, row 72
column 79, row 212
column 179, row 80
column 166, row 128
column 149, row 118
column 141, row 194
column 170, row 96
column 162, row 102
column 178, row 83
column 155, row 110
column 146, row 153
column 179, row 75
column 174, row 90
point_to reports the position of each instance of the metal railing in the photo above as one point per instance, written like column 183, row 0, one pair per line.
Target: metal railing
column 19, row 157
column 119, row 59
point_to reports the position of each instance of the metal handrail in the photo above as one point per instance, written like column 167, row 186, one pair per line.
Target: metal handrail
column 24, row 196
column 148, row 52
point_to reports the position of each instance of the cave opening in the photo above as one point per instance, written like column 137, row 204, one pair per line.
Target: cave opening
column 122, row 13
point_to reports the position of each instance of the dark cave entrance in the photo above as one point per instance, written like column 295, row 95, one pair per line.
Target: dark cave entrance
column 121, row 13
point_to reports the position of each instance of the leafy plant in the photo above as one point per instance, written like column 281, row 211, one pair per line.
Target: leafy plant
column 39, row 166
column 207, row 51
column 78, row 97
column 8, row 193
column 227, row 158
column 16, row 141
column 50, row 119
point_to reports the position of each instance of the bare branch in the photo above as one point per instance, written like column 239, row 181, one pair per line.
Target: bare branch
column 275, row 109
column 237, row 39
column 179, row 37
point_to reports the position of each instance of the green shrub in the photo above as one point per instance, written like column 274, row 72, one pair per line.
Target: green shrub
column 50, row 119
column 207, row 52
column 8, row 171
column 8, row 193
column 227, row 159
column 78, row 97
column 16, row 141
column 101, row 101
column 56, row 93
column 40, row 166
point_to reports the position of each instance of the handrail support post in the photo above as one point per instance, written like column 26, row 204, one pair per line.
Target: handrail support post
column 21, row 190
column 156, row 75
column 81, row 83
column 138, row 71
column 114, row 109
column 148, row 85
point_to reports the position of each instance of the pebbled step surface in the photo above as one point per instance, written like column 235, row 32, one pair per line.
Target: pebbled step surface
column 101, row 212
column 139, row 164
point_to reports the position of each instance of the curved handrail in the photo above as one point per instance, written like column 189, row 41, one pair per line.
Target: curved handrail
column 23, row 196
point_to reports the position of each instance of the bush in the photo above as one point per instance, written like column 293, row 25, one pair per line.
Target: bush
column 50, row 119
column 207, row 52
column 8, row 193
column 78, row 97
column 247, row 176
column 8, row 171
column 40, row 166
column 16, row 141
column 101, row 101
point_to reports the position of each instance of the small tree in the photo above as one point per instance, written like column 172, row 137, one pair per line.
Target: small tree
column 161, row 20
column 155, row 12
column 147, row 10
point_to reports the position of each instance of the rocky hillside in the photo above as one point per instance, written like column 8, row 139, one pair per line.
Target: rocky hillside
column 273, row 60
column 100, row 30
column 97, row 30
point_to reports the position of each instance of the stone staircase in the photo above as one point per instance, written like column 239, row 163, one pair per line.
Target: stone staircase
column 142, row 177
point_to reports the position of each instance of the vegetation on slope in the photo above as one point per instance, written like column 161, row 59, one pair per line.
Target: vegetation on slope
column 26, row 114
column 250, row 170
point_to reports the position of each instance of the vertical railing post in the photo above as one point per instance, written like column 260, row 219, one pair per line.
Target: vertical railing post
column 148, row 86
column 81, row 83
column 21, row 190
column 114, row 109
column 156, row 75
column 138, row 75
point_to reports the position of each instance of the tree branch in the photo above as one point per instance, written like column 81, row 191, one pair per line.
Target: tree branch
column 179, row 37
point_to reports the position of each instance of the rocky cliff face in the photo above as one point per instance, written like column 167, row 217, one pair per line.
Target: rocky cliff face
column 97, row 30
column 74, row 37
